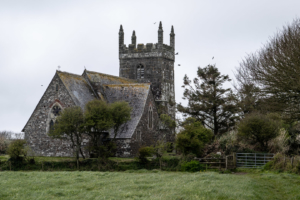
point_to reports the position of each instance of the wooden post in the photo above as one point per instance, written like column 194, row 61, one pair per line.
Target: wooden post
column 234, row 160
column 292, row 161
column 284, row 162
column 220, row 164
column 226, row 162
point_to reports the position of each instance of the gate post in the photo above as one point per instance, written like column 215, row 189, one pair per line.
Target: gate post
column 234, row 159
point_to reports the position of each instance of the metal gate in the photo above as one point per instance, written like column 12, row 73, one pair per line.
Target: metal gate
column 253, row 160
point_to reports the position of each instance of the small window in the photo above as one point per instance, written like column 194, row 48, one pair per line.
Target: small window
column 150, row 117
column 140, row 71
column 56, row 88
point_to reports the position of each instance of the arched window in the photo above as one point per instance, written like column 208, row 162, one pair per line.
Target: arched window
column 140, row 71
column 150, row 117
column 54, row 112
column 51, row 125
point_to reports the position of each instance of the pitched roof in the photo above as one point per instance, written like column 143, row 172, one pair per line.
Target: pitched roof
column 136, row 95
column 79, row 89
column 97, row 77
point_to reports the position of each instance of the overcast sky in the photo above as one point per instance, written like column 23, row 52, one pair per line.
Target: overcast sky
column 37, row 36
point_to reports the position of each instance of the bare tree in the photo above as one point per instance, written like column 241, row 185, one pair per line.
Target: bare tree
column 275, row 71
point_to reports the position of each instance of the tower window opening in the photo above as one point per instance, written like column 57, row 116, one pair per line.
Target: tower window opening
column 56, row 87
column 150, row 117
column 140, row 71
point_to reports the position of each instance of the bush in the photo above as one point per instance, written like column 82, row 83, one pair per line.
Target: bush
column 192, row 166
column 16, row 149
column 259, row 129
column 3, row 144
column 145, row 152
column 193, row 137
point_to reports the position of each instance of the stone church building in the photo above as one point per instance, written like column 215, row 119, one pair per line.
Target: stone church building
column 146, row 82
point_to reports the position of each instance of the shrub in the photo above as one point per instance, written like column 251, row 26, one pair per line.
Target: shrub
column 259, row 129
column 192, row 166
column 16, row 149
column 193, row 137
column 145, row 152
column 4, row 142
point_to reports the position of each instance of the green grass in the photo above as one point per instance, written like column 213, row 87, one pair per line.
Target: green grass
column 143, row 184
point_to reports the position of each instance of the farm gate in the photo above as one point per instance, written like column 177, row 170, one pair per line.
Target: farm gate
column 252, row 160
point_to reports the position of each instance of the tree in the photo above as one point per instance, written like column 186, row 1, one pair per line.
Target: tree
column 275, row 69
column 120, row 115
column 208, row 102
column 167, row 121
column 193, row 137
column 100, row 117
column 16, row 149
column 70, row 125
column 259, row 129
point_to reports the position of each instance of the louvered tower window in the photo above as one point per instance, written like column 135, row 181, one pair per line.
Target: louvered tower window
column 150, row 117
column 140, row 71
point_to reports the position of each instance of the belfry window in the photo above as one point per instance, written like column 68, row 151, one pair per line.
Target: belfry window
column 150, row 117
column 140, row 71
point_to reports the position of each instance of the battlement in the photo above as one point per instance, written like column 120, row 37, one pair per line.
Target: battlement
column 159, row 49
column 148, row 50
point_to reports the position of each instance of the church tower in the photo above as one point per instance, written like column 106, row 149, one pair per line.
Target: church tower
column 151, row 63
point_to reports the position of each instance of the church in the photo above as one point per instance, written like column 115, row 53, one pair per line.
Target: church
column 146, row 82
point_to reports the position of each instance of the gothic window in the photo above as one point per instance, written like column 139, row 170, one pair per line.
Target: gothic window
column 51, row 124
column 56, row 87
column 140, row 71
column 56, row 110
column 150, row 117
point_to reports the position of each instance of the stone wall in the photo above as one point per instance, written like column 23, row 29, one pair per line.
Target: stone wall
column 38, row 124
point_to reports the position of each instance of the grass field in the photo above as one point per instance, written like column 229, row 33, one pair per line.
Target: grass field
column 143, row 184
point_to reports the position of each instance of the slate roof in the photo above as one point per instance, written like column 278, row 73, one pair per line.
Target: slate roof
column 102, row 79
column 79, row 89
column 113, row 89
column 136, row 95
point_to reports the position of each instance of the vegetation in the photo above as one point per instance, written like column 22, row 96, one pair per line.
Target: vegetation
column 143, row 184
column 69, row 125
column 16, row 149
column 100, row 117
column 282, row 163
column 208, row 102
column 193, row 137
column 258, row 129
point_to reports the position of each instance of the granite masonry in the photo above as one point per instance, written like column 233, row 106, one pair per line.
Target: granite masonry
column 146, row 82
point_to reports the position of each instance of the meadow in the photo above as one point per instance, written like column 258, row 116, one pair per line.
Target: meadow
column 144, row 184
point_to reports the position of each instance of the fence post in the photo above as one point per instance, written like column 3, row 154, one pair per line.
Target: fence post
column 255, row 159
column 226, row 162
column 234, row 159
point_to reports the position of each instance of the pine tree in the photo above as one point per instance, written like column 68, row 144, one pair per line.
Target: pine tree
column 208, row 102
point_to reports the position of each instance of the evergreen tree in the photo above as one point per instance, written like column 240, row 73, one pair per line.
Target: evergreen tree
column 208, row 102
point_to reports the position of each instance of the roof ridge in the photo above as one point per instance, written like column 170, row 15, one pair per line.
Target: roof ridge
column 63, row 72
column 109, row 75
column 128, row 84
